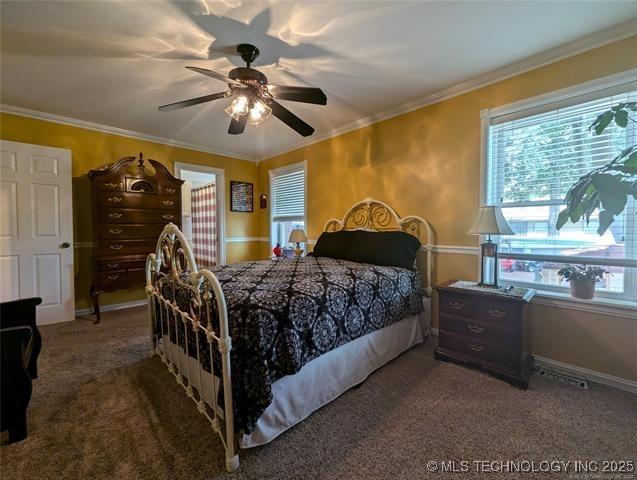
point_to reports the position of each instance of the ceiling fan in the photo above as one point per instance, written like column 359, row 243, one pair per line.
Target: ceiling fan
column 255, row 100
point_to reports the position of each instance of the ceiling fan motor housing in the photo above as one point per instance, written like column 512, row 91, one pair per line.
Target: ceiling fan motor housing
column 248, row 75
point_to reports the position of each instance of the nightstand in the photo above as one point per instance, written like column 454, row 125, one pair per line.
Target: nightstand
column 487, row 328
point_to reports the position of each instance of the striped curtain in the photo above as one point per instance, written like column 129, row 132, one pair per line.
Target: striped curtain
column 204, row 225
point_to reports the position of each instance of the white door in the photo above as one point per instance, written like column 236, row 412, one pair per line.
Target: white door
column 36, row 228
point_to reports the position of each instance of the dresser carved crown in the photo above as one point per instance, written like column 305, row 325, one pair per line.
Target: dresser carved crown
column 132, row 201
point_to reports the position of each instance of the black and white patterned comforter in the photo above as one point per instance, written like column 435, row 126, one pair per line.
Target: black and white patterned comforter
column 283, row 313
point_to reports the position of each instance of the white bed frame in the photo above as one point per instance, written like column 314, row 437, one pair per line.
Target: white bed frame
column 173, row 249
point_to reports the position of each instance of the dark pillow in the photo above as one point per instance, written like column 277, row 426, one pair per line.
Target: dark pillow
column 334, row 245
column 392, row 249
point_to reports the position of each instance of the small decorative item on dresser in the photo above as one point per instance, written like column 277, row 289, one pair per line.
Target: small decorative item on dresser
column 298, row 236
column 582, row 279
column 278, row 252
column 489, row 221
column 487, row 328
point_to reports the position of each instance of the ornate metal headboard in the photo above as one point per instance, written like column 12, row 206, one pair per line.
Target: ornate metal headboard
column 377, row 216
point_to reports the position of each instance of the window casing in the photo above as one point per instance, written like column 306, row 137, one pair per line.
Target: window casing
column 533, row 154
column 288, row 200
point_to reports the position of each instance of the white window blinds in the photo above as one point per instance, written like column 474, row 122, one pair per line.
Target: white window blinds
column 288, row 195
column 534, row 157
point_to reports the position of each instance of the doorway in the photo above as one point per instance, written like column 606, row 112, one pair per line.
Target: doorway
column 202, row 216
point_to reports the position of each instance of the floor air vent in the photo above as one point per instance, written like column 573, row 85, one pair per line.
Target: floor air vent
column 563, row 378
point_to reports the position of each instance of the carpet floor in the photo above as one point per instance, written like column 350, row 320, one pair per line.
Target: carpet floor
column 103, row 409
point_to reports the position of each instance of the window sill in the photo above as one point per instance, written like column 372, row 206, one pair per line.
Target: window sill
column 600, row 305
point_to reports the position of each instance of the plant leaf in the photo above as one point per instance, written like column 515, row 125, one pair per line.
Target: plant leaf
column 562, row 218
column 611, row 193
column 621, row 118
column 602, row 121
column 605, row 219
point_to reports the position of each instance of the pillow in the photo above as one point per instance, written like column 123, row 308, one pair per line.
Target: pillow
column 334, row 245
column 391, row 249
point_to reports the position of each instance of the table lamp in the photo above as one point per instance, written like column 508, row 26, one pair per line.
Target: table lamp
column 489, row 221
column 298, row 236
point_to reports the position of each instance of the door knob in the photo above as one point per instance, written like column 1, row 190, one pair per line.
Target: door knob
column 65, row 245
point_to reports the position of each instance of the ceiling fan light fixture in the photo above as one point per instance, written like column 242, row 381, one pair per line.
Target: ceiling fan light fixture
column 259, row 113
column 238, row 107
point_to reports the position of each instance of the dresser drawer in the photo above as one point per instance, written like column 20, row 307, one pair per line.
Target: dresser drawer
column 456, row 305
column 169, row 189
column 126, row 247
column 113, row 280
column 136, row 200
column 484, row 331
column 116, row 264
column 500, row 312
column 479, row 350
column 106, row 231
column 131, row 215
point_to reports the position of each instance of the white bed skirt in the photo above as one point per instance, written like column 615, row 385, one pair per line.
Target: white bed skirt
column 295, row 397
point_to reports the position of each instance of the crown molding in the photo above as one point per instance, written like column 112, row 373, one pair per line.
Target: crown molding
column 570, row 49
column 98, row 127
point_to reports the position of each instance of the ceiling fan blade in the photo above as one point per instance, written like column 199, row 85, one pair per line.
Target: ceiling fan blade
column 238, row 126
column 290, row 119
column 298, row 94
column 193, row 101
column 215, row 75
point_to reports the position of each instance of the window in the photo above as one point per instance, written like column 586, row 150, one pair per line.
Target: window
column 533, row 155
column 287, row 194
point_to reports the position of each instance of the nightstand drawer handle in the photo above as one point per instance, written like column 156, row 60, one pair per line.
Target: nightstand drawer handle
column 112, row 265
column 115, row 215
column 475, row 328
column 116, row 247
column 497, row 313
column 114, row 199
column 456, row 305
column 168, row 203
column 112, row 277
column 115, row 231
column 475, row 348
column 167, row 217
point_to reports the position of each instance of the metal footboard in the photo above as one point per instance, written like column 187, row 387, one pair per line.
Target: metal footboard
column 184, row 301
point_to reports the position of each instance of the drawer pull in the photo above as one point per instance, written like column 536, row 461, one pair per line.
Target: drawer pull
column 112, row 277
column 497, row 313
column 114, row 199
column 456, row 305
column 475, row 328
column 475, row 348
column 171, row 190
column 116, row 247
column 112, row 265
column 115, row 231
column 110, row 185
column 167, row 217
column 168, row 203
column 115, row 215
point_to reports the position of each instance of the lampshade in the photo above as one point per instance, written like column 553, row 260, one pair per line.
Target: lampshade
column 297, row 236
column 490, row 221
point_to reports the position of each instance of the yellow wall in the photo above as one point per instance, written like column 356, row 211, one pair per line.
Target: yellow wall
column 427, row 163
column 91, row 149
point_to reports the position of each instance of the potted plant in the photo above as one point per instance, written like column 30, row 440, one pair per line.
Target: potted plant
column 582, row 279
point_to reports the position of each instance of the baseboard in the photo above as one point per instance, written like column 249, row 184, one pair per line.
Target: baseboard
column 112, row 306
column 590, row 375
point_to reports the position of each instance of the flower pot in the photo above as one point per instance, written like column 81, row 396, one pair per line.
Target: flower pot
column 582, row 289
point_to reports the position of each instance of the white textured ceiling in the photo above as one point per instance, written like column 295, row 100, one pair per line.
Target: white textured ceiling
column 115, row 62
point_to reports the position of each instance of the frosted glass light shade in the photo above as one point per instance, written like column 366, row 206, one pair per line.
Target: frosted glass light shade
column 297, row 236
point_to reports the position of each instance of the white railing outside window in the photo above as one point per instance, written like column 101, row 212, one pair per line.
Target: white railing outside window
column 534, row 153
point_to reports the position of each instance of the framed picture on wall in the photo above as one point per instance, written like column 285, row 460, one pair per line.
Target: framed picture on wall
column 241, row 196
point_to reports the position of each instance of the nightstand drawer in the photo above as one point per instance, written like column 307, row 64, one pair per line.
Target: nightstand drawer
column 481, row 351
column 456, row 305
column 482, row 331
column 505, row 313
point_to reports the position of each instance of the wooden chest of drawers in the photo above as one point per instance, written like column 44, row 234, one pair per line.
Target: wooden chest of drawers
column 486, row 330
column 132, row 201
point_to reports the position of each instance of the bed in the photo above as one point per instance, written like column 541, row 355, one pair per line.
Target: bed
column 251, row 342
